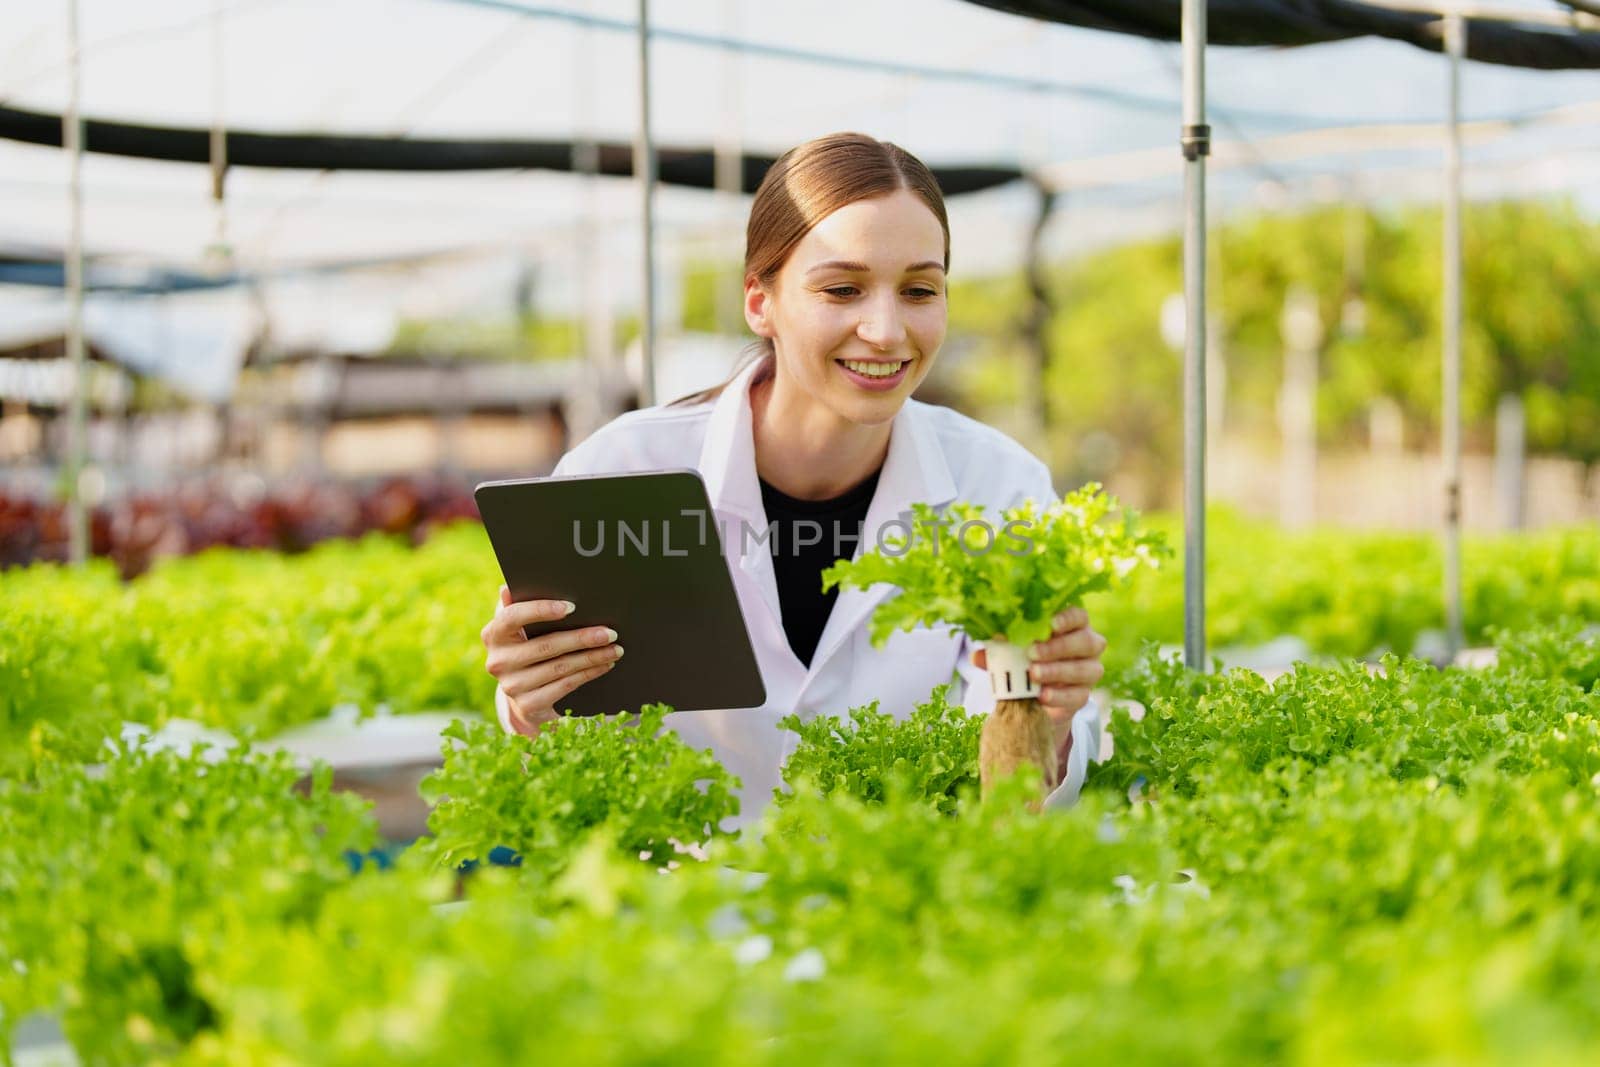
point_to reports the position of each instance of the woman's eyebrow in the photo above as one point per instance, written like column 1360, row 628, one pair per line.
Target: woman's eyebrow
column 862, row 268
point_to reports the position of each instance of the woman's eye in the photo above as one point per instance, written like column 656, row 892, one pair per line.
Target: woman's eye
column 919, row 292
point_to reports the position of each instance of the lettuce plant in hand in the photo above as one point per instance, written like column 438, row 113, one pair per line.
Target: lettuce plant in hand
column 1002, row 583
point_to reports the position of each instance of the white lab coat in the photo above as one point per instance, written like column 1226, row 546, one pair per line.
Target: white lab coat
column 935, row 455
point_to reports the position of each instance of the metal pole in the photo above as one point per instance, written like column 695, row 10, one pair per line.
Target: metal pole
column 645, row 170
column 729, row 178
column 1196, row 142
column 218, row 256
column 1455, row 40
column 72, row 140
column 591, row 398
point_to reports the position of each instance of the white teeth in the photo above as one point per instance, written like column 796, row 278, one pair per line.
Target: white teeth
column 874, row 370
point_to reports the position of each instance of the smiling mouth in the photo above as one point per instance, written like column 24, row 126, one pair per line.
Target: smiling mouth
column 875, row 368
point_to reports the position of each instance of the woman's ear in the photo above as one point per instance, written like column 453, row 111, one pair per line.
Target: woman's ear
column 758, row 307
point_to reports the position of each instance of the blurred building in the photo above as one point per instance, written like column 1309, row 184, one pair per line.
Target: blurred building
column 347, row 414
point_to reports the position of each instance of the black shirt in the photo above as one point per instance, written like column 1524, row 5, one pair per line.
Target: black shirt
column 808, row 536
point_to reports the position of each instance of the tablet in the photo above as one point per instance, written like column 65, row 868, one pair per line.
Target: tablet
column 642, row 554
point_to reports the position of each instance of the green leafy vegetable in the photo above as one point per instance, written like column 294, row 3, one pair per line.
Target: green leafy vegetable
column 1565, row 649
column 540, row 796
column 932, row 754
column 113, row 884
column 1408, row 718
column 1010, row 578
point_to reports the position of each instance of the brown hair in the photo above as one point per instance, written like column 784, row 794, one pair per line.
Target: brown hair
column 804, row 186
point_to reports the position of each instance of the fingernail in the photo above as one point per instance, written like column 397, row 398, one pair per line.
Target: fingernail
column 619, row 652
column 611, row 635
column 1061, row 622
column 570, row 607
column 1036, row 652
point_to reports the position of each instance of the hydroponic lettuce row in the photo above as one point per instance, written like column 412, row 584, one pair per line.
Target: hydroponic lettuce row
column 248, row 640
column 114, row 884
column 1337, row 869
column 1009, row 575
column 1410, row 720
column 540, row 796
column 1303, row 902
column 252, row 642
column 1566, row 649
column 1351, row 593
column 931, row 754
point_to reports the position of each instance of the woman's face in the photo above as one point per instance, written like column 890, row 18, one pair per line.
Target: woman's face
column 863, row 292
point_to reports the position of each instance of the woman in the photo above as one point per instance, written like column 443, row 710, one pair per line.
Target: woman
column 819, row 442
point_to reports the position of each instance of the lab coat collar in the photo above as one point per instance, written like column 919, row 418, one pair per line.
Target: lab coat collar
column 728, row 457
column 914, row 470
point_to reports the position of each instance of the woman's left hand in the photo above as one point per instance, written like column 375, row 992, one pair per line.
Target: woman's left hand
column 1067, row 665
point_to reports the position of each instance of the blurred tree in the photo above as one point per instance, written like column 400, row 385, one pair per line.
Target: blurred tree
column 1531, row 317
column 1533, row 290
column 511, row 338
column 700, row 283
column 1111, row 373
column 1532, row 326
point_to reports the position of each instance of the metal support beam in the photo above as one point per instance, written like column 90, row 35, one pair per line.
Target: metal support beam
column 219, row 256
column 1455, row 42
column 644, row 169
column 729, row 179
column 77, row 439
column 1196, row 143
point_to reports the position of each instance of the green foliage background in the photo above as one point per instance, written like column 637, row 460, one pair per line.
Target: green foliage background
column 1532, row 326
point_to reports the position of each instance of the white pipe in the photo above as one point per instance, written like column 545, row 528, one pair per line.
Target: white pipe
column 220, row 259
column 1196, row 141
column 77, row 441
column 729, row 174
column 591, row 399
column 1455, row 41
column 645, row 172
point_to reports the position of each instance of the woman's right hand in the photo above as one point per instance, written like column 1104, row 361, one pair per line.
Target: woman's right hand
column 536, row 674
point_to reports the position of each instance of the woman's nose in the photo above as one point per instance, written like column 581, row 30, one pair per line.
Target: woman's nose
column 881, row 326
